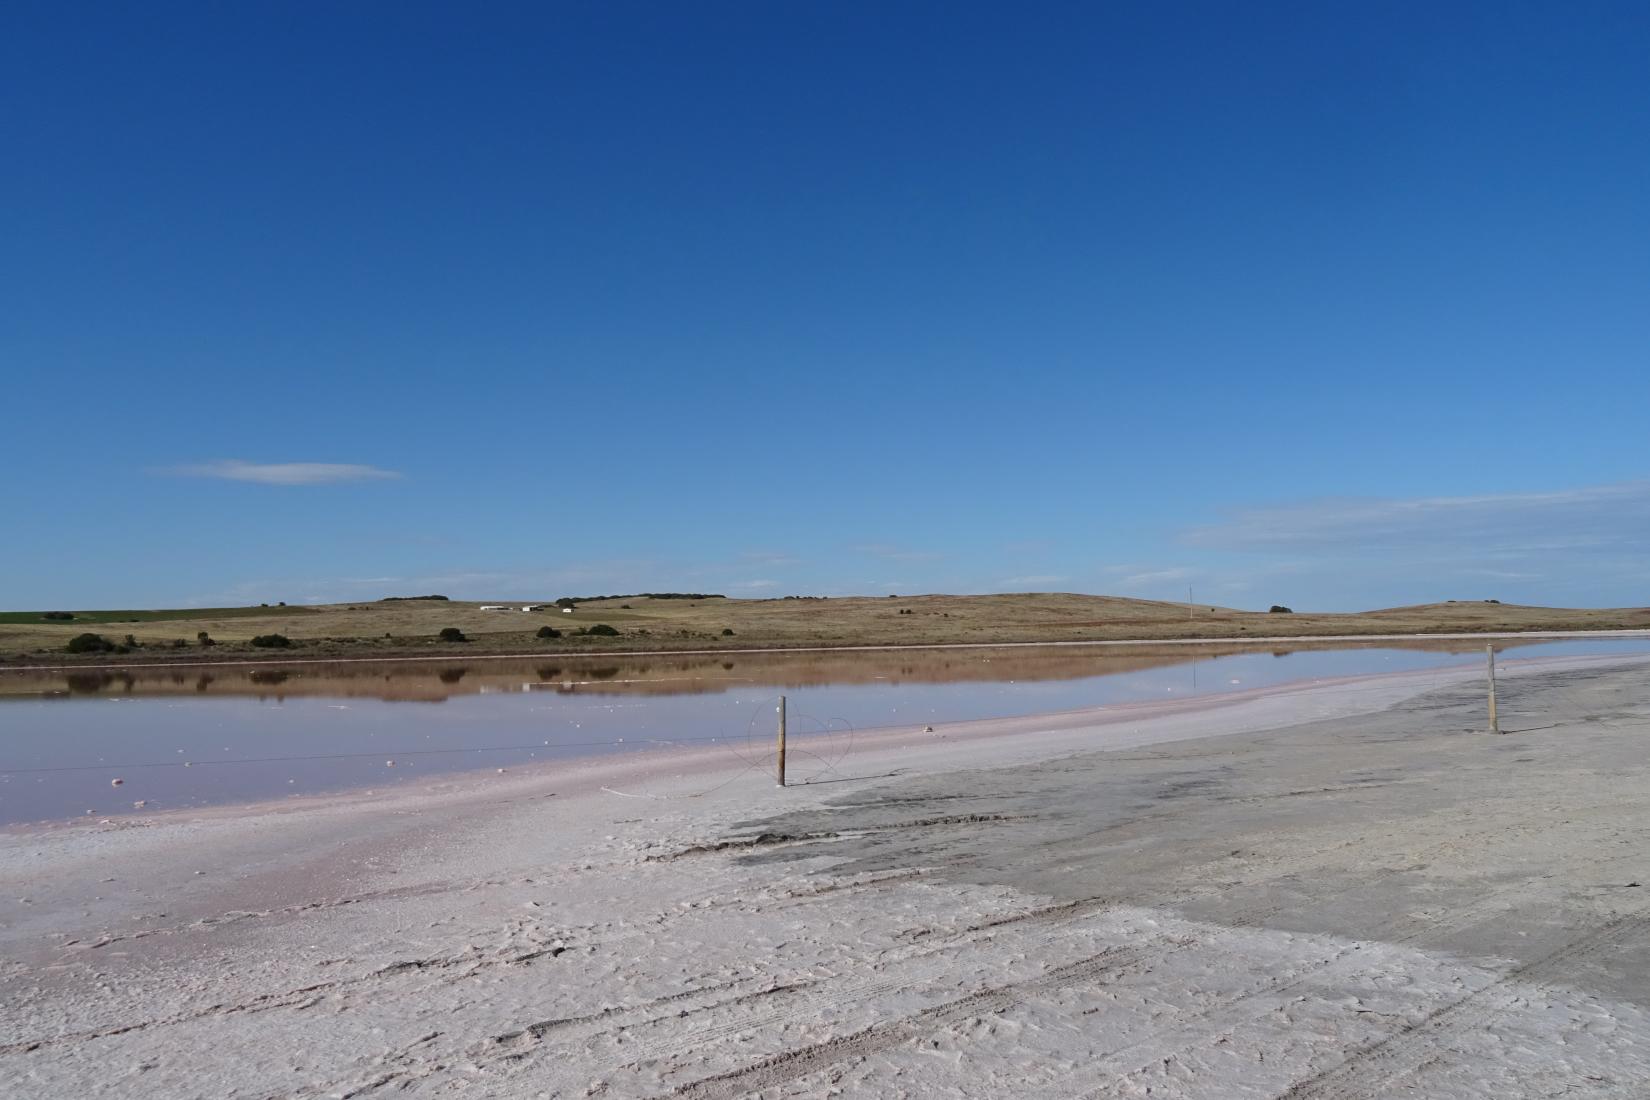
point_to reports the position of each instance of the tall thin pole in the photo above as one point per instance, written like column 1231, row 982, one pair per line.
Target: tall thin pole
column 781, row 740
column 1495, row 723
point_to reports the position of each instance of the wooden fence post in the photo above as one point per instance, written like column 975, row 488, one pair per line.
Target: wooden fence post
column 781, row 740
column 1495, row 723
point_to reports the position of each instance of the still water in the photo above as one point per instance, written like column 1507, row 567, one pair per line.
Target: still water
column 180, row 738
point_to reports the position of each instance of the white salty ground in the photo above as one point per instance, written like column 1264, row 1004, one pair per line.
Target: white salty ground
column 1336, row 890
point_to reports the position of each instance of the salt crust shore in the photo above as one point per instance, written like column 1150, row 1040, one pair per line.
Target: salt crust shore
column 1332, row 889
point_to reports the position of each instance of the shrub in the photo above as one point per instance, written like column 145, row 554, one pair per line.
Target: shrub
column 131, row 642
column 272, row 641
column 179, row 643
column 204, row 639
column 548, row 632
column 603, row 630
column 452, row 634
column 89, row 643
column 727, row 632
column 59, row 616
column 1278, row 609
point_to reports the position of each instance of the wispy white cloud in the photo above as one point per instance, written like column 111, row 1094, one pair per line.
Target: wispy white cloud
column 281, row 473
column 889, row 552
column 1572, row 520
column 1578, row 546
column 1027, row 547
column 768, row 557
column 1035, row 578
column 759, row 584
column 1156, row 576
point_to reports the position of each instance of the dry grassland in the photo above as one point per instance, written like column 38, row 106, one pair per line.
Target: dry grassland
column 409, row 628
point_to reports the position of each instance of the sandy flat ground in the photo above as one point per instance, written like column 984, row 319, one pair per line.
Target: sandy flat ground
column 1334, row 890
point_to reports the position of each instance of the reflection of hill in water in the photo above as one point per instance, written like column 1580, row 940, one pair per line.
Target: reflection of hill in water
column 434, row 681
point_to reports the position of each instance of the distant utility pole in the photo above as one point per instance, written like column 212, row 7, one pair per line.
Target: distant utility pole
column 1191, row 612
column 1495, row 723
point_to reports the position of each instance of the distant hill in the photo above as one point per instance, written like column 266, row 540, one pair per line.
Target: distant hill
column 664, row 621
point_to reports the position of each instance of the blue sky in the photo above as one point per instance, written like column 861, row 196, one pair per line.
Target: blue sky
column 1331, row 305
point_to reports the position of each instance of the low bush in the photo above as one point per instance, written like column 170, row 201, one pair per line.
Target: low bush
column 59, row 616
column 548, row 632
column 727, row 632
column 452, row 634
column 603, row 630
column 1279, row 609
column 89, row 643
column 272, row 641
column 204, row 638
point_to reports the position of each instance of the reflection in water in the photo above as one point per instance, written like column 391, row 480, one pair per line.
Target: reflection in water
column 190, row 737
column 437, row 680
